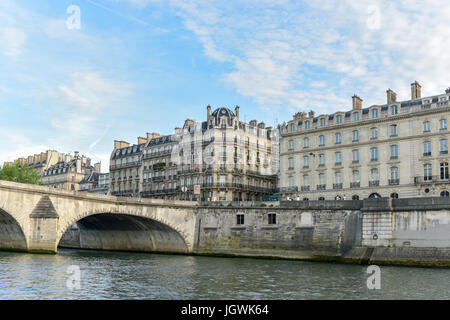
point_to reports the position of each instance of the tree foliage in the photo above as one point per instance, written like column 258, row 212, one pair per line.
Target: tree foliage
column 20, row 173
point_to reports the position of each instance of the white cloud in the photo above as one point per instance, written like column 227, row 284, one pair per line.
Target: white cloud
column 318, row 54
column 12, row 42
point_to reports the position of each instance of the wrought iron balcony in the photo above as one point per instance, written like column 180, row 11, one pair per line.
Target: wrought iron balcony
column 374, row 183
column 355, row 184
column 337, row 186
column 394, row 182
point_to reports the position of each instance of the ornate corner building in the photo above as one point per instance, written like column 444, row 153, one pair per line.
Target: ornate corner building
column 398, row 149
column 221, row 158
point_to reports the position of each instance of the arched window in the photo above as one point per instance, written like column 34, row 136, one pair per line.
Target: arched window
column 394, row 195
column 444, row 193
column 374, row 195
column 321, row 198
column 355, row 197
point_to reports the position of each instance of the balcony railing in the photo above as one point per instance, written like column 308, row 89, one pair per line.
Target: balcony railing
column 374, row 183
column 289, row 189
column 305, row 188
column 321, row 187
column 355, row 184
column 394, row 182
column 337, row 186
column 431, row 179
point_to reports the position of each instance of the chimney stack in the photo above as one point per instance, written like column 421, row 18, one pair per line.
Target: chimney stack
column 141, row 140
column 237, row 112
column 208, row 113
column 357, row 102
column 391, row 96
column 98, row 167
column 416, row 90
column 120, row 144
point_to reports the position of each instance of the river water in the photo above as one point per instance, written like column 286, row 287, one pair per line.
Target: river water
column 117, row 275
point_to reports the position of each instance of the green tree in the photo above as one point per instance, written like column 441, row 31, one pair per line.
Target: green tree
column 20, row 173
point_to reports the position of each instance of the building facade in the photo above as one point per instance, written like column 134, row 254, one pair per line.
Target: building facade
column 42, row 161
column 221, row 158
column 95, row 182
column 398, row 149
column 69, row 172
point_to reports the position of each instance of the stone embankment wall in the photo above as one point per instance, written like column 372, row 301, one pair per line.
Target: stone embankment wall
column 385, row 231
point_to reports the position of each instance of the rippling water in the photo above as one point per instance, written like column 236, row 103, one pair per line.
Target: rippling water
column 114, row 275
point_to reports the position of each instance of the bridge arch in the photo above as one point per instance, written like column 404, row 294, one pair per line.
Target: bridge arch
column 12, row 235
column 105, row 230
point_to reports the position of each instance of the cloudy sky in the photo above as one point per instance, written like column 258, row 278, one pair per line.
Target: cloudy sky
column 137, row 66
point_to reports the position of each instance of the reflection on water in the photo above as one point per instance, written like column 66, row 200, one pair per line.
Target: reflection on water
column 115, row 275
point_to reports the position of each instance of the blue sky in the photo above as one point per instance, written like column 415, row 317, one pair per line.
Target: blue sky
column 138, row 66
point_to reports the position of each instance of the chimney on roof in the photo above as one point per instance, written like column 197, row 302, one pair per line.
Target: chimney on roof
column 237, row 112
column 151, row 135
column 120, row 144
column 98, row 167
column 416, row 89
column 391, row 96
column 208, row 112
column 141, row 140
column 357, row 102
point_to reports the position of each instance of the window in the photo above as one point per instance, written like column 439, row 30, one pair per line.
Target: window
column 374, row 133
column 306, row 161
column 374, row 174
column 321, row 141
column 239, row 219
column 394, row 152
column 427, row 172
column 338, row 157
column 306, row 180
column 339, row 119
column 355, row 154
column 394, row 195
column 445, row 193
column 443, row 124
column 272, row 218
column 338, row 138
column 355, row 197
column 374, row 113
column 427, row 148
column 307, row 124
column 356, row 116
column 394, row 175
column 306, row 143
column 355, row 136
column 291, row 144
column 394, row 110
column 355, row 176
column 321, row 159
column 291, row 181
column 292, row 127
column 394, row 130
column 374, row 154
column 426, row 126
column 322, row 178
column 444, row 170
column 323, row 122
column 338, row 177
column 443, row 146
column 291, row 163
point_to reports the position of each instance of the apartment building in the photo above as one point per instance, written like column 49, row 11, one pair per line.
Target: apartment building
column 396, row 149
column 221, row 158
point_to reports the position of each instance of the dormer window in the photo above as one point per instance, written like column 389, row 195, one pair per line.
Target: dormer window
column 356, row 116
column 374, row 113
column 292, row 127
column 307, row 124
column 322, row 122
column 339, row 119
column 394, row 110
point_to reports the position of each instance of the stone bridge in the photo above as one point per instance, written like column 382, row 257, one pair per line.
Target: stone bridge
column 34, row 218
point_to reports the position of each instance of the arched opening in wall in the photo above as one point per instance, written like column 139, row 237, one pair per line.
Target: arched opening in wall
column 11, row 234
column 321, row 198
column 394, row 195
column 122, row 232
column 355, row 197
column 444, row 193
column 374, row 195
